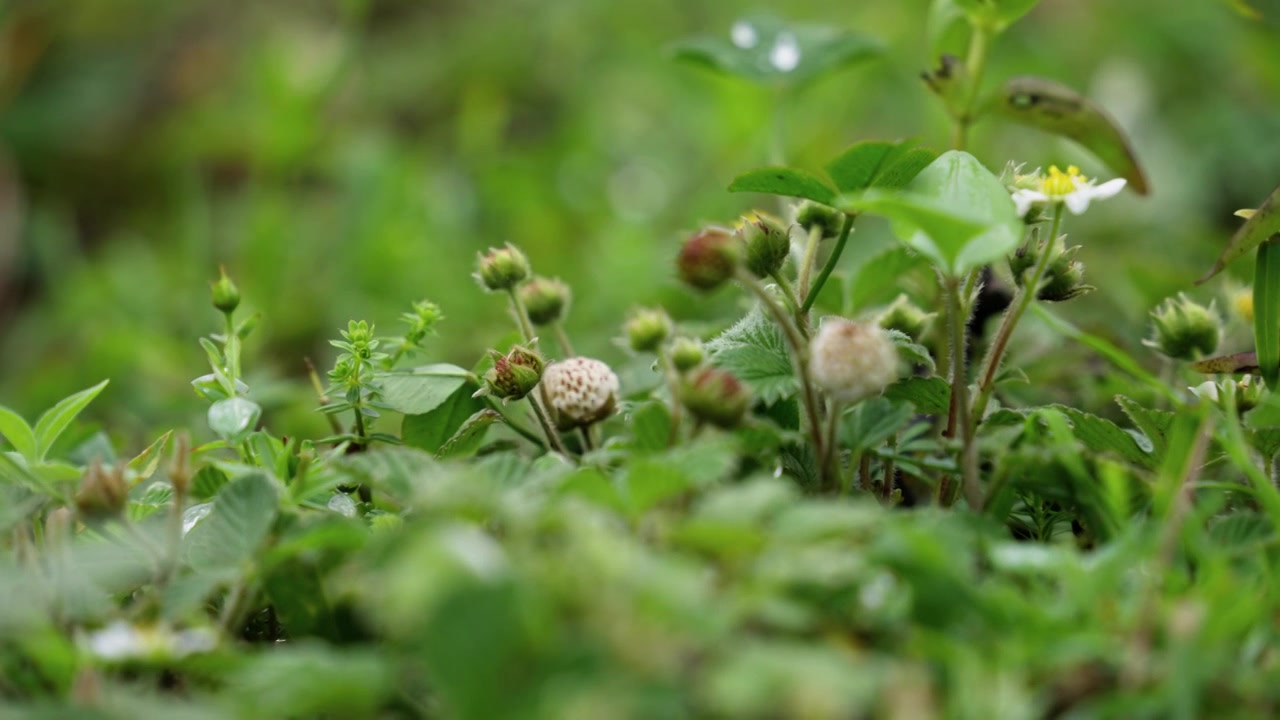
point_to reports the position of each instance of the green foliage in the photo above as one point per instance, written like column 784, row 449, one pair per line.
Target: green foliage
column 754, row 351
column 765, row 50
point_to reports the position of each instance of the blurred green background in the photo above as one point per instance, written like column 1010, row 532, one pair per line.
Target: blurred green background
column 343, row 159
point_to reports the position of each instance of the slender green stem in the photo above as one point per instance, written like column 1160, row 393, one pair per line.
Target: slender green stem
column 958, row 417
column 800, row 356
column 522, row 319
column 672, row 377
column 812, row 295
column 520, row 430
column 793, row 301
column 831, row 461
column 804, row 276
column 1021, row 301
column 890, row 468
column 553, row 437
column 975, row 65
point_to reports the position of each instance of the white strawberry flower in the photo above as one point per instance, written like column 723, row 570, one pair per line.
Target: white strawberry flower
column 1070, row 188
column 580, row 391
column 851, row 361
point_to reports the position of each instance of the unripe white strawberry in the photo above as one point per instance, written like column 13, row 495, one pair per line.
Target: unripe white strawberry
column 579, row 391
column 851, row 361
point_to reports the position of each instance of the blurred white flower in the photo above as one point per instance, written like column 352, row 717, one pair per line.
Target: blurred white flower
column 1070, row 188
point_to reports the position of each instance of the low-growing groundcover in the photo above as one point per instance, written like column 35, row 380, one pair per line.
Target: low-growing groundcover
column 828, row 507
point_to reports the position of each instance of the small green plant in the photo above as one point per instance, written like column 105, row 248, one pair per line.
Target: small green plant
column 845, row 501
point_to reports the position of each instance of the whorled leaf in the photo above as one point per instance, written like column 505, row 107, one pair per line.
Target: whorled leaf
column 1057, row 109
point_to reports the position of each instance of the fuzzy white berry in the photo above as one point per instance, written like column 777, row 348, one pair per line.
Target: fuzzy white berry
column 851, row 361
column 580, row 391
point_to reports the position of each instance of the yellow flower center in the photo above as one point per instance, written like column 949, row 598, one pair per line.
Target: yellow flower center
column 1059, row 183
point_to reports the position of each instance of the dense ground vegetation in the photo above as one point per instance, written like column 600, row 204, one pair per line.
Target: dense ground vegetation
column 901, row 428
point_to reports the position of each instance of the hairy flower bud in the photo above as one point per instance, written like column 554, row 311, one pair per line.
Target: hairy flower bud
column 647, row 328
column 1064, row 278
column 768, row 243
column 825, row 219
column 709, row 259
column 513, row 375
column 905, row 317
column 1184, row 329
column 546, row 300
column 715, row 396
column 502, row 268
column 226, row 296
column 851, row 361
column 102, row 493
column 687, row 354
column 580, row 391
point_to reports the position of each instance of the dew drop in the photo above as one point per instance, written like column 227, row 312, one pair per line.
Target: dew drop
column 744, row 35
column 785, row 55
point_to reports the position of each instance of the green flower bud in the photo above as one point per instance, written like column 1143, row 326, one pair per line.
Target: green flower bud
column 715, row 396
column 102, row 493
column 226, row 296
column 1021, row 262
column 513, row 375
column 709, row 258
column 827, row 220
column 1064, row 278
column 1184, row 329
column 687, row 354
column 502, row 268
column 647, row 328
column 545, row 300
column 768, row 243
column 905, row 317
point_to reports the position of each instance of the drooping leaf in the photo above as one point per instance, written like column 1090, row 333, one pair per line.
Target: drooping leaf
column 955, row 212
column 1055, row 108
column 241, row 517
column 753, row 350
column 765, row 50
column 1245, row 362
column 431, row 430
column 931, row 395
column 56, row 419
column 19, row 434
column 1266, row 310
column 422, row 389
column 791, row 182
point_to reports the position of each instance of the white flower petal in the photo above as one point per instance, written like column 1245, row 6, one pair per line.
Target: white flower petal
column 1023, row 199
column 1078, row 201
column 1108, row 189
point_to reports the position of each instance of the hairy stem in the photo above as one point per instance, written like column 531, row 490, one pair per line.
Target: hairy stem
column 672, row 377
column 522, row 319
column 553, row 437
column 1021, row 301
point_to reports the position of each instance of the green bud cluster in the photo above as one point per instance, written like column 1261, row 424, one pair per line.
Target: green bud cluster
column 1184, row 329
column 513, row 375
column 825, row 219
column 715, row 396
column 226, row 296
column 647, row 329
column 503, row 268
column 545, row 299
column 767, row 241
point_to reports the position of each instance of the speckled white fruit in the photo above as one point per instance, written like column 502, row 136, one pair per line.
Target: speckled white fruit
column 580, row 391
column 851, row 361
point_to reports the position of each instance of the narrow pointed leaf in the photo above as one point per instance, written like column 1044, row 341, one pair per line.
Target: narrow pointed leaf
column 18, row 433
column 1262, row 224
column 1057, row 109
column 57, row 418
column 1266, row 311
column 791, row 182
column 1245, row 362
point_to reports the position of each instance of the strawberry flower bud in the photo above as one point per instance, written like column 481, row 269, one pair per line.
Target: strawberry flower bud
column 687, row 354
column 768, row 243
column 816, row 216
column 545, row 300
column 1184, row 329
column 502, row 268
column 715, row 396
column 709, row 259
column 580, row 391
column 647, row 329
column 226, row 296
column 513, row 375
column 851, row 361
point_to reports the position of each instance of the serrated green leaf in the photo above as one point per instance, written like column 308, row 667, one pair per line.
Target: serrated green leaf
column 955, row 212
column 791, row 182
column 878, row 164
column 765, row 50
column 1055, row 108
column 422, row 389
column 237, row 525
column 931, row 395
column 754, row 350
column 470, row 436
column 1154, row 424
column 1103, row 436
column 431, row 430
column 19, row 434
column 55, row 420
